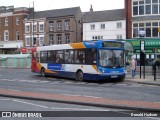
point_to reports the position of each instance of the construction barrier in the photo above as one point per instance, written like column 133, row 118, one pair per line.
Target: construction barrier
column 15, row 61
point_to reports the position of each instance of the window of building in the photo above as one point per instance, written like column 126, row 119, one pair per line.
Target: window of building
column 97, row 37
column 119, row 36
column 67, row 25
column 17, row 34
column 6, row 21
column 146, row 7
column 41, row 41
column 146, row 29
column 17, row 20
column 155, row 9
column 34, row 27
column 0, row 22
column 102, row 26
column 59, row 39
column 27, row 41
column 92, row 26
column 6, row 35
column 141, row 9
column 34, row 41
column 51, row 39
column 59, row 25
column 41, row 27
column 51, row 26
column 27, row 28
column 67, row 40
column 119, row 25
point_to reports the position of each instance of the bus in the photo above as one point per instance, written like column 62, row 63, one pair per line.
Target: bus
column 90, row 60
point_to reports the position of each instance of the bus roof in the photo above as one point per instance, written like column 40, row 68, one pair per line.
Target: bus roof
column 80, row 45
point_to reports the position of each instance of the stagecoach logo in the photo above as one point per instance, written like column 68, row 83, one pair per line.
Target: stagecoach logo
column 90, row 43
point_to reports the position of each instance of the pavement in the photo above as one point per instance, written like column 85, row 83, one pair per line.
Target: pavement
column 94, row 101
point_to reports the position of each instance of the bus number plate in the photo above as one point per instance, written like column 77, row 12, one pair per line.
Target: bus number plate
column 114, row 76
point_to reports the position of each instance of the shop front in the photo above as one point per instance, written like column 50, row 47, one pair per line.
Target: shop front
column 10, row 47
column 151, row 49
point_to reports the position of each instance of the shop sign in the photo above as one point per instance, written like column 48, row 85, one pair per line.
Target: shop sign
column 23, row 50
column 152, row 43
column 146, row 51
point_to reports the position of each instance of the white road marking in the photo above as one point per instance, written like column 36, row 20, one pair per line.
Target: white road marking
column 20, row 80
column 4, row 99
column 82, row 95
column 13, row 90
column 30, row 103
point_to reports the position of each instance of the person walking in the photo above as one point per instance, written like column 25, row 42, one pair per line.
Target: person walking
column 133, row 66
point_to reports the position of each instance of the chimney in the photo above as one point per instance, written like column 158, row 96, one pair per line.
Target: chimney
column 91, row 9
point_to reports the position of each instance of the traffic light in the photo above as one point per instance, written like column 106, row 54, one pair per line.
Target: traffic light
column 142, row 58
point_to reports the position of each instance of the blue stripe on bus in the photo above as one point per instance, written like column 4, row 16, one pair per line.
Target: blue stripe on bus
column 88, row 76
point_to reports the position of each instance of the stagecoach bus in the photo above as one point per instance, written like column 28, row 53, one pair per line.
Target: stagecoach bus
column 91, row 60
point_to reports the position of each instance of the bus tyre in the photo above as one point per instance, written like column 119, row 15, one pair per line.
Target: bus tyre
column 79, row 75
column 43, row 72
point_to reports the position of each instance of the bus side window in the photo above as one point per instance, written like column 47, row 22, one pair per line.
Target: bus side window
column 79, row 56
column 90, row 56
column 59, row 56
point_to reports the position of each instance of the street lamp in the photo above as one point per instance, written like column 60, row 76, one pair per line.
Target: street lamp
column 34, row 39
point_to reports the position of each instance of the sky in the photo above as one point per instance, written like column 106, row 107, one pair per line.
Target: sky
column 40, row 5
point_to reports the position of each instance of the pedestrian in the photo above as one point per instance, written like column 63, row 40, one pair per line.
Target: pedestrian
column 133, row 66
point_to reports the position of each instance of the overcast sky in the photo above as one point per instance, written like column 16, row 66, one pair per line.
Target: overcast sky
column 41, row 5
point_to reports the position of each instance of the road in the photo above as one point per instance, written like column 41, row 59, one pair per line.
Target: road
column 24, row 80
column 14, row 105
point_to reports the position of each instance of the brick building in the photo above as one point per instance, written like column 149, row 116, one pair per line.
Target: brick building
column 142, row 18
column 12, row 28
column 60, row 26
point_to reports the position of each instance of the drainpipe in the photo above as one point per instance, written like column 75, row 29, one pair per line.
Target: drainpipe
column 76, row 28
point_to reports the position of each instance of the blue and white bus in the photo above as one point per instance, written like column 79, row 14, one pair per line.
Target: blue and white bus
column 91, row 60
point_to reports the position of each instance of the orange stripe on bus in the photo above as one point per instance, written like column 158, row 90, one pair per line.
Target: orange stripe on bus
column 46, row 70
column 95, row 67
column 77, row 45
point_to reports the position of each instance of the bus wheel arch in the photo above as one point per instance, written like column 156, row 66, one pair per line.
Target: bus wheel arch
column 43, row 72
column 79, row 75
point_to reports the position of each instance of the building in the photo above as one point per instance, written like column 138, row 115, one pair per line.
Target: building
column 12, row 28
column 58, row 26
column 143, row 23
column 143, row 18
column 107, row 24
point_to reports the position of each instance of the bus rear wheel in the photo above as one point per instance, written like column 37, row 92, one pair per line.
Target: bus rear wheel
column 43, row 72
column 79, row 75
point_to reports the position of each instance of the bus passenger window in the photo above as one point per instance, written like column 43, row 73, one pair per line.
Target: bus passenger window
column 59, row 56
column 43, row 56
column 90, row 56
column 80, row 56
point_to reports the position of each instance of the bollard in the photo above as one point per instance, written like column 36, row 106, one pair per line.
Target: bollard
column 154, row 69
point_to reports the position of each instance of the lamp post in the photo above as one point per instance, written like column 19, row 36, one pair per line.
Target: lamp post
column 34, row 39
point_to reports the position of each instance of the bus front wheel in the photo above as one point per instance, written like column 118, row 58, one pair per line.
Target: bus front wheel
column 43, row 72
column 79, row 75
